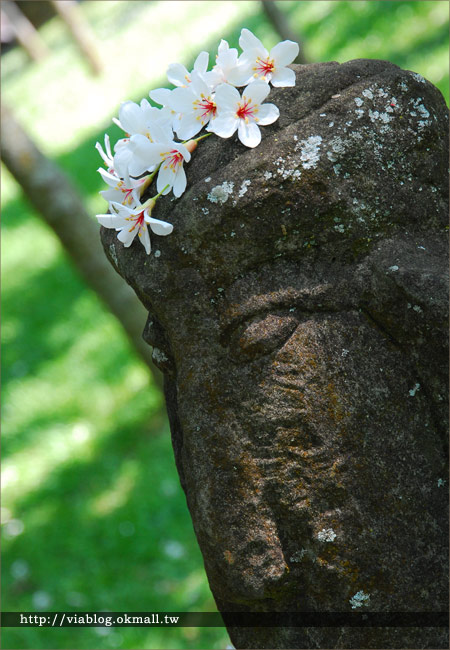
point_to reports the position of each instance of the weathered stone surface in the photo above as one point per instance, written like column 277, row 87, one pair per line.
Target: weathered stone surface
column 299, row 312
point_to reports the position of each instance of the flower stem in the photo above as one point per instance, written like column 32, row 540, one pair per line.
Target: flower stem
column 162, row 191
column 149, row 179
column 206, row 135
column 149, row 203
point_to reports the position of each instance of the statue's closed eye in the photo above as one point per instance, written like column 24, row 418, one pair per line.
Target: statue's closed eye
column 261, row 335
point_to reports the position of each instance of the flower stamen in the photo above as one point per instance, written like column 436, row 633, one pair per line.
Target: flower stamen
column 264, row 66
column 206, row 106
column 246, row 110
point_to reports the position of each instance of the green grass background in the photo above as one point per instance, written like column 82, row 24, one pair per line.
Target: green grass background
column 92, row 512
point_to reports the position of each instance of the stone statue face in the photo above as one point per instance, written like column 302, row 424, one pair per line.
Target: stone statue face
column 298, row 314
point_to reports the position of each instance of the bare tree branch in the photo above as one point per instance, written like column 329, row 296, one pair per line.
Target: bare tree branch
column 24, row 31
column 57, row 201
column 80, row 29
column 281, row 25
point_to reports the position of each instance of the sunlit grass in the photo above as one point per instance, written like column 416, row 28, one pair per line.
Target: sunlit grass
column 93, row 513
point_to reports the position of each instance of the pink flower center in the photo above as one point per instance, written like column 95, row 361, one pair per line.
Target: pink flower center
column 264, row 66
column 138, row 221
column 174, row 159
column 246, row 110
column 206, row 106
column 127, row 194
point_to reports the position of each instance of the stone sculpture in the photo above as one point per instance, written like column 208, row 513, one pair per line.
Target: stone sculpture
column 299, row 314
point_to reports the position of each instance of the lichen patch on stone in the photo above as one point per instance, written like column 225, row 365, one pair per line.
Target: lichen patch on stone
column 112, row 250
column 326, row 535
column 244, row 187
column 359, row 599
column 298, row 555
column 221, row 193
column 158, row 355
column 309, row 154
column 418, row 77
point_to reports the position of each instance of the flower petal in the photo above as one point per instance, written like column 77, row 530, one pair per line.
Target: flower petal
column 107, row 157
column 180, row 182
column 166, row 176
column 201, row 62
column 241, row 74
column 284, row 53
column 126, row 236
column 248, row 41
column 145, row 154
column 112, row 221
column 160, row 96
column 268, row 114
column 144, row 236
column 131, row 118
column 249, row 134
column 122, row 159
column 150, row 113
column 199, row 84
column 283, row 77
column 256, row 91
column 120, row 209
column 182, row 100
column 111, row 179
column 160, row 132
column 111, row 195
column 162, row 228
column 179, row 146
column 177, row 74
column 224, row 125
column 226, row 97
column 189, row 126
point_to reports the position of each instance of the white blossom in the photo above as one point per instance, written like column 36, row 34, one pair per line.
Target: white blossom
column 107, row 154
column 178, row 74
column 169, row 155
column 130, row 222
column 163, row 96
column 227, row 68
column 201, row 99
column 244, row 114
column 195, row 104
column 260, row 64
column 144, row 119
column 121, row 191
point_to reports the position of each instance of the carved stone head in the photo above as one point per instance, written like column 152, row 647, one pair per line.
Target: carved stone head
column 298, row 312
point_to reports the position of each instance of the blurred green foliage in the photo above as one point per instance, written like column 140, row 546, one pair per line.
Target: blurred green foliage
column 93, row 514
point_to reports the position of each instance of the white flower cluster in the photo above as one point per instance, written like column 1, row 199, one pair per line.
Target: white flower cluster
column 202, row 99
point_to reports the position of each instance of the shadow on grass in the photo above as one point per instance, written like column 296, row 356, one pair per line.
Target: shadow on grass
column 110, row 532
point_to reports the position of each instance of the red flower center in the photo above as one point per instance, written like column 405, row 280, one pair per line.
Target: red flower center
column 206, row 106
column 174, row 159
column 138, row 221
column 127, row 194
column 245, row 110
column 264, row 66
